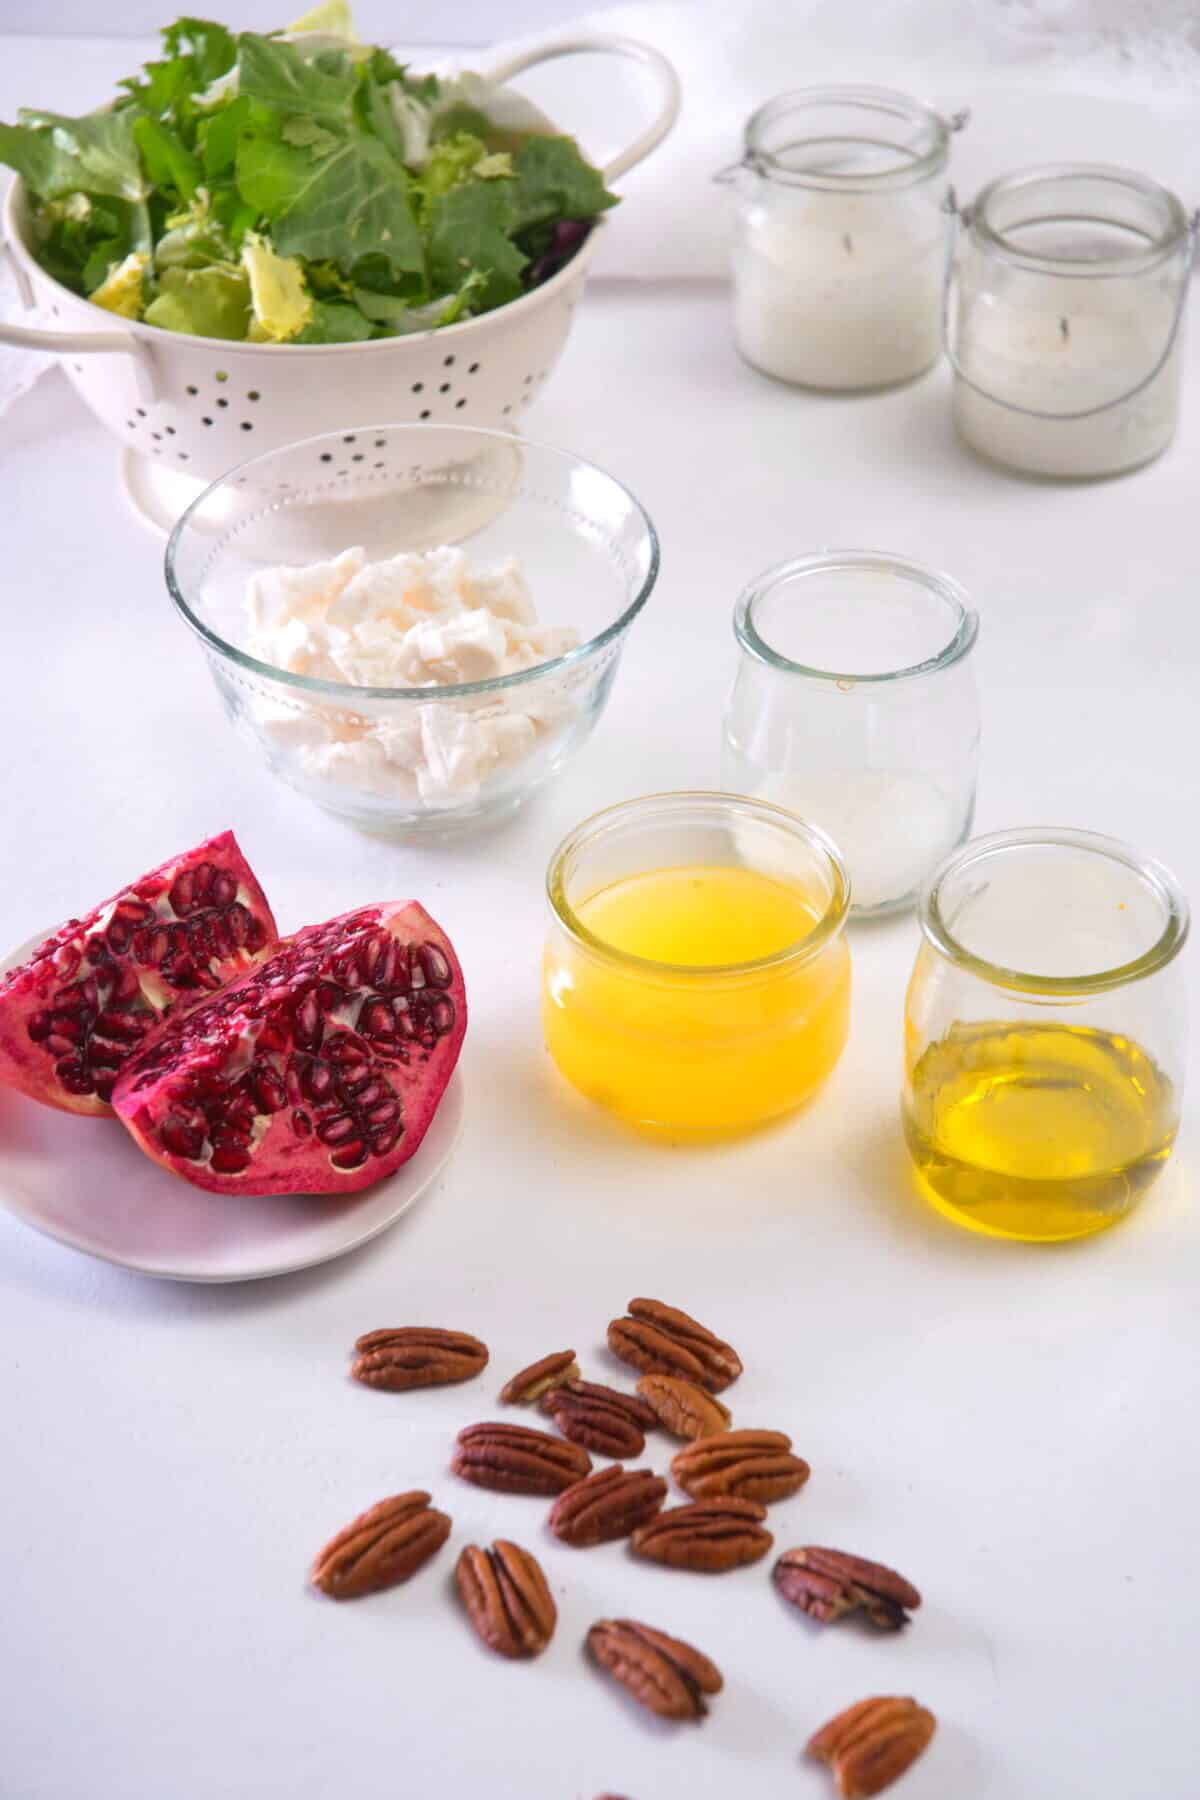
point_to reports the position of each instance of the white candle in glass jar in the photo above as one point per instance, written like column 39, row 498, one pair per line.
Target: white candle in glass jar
column 1076, row 345
column 839, row 290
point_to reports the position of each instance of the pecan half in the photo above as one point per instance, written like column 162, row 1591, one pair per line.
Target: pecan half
column 750, row 1465
column 710, row 1536
column 507, row 1598
column 529, row 1384
column 600, row 1418
column 661, row 1340
column 383, row 1546
column 827, row 1584
column 667, row 1676
column 417, row 1356
column 682, row 1408
column 872, row 1744
column 607, row 1506
column 512, row 1459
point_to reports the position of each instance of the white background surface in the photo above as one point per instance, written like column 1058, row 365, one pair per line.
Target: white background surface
column 1013, row 1428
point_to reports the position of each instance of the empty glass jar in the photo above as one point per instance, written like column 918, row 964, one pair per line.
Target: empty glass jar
column 839, row 246
column 1045, row 1033
column 854, row 705
column 1065, row 321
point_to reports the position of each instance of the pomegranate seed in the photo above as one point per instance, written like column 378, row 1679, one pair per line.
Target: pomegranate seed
column 97, row 951
column 416, row 973
column 67, row 1024
column 118, row 936
column 256, row 934
column 383, row 962
column 106, row 1056
column 301, row 1124
column 229, row 1159
column 343, row 1048
column 329, row 996
column 386, row 1138
column 293, row 1078
column 74, row 1076
column 269, row 1090
column 89, row 993
column 239, row 1116
column 384, row 1113
column 104, row 1087
column 308, row 1023
column 275, row 1031
column 224, row 888
column 352, row 1157
column 205, row 978
column 318, row 1082
column 38, row 1026
column 124, row 1026
column 355, row 1082
column 238, row 921
column 180, row 1138
column 125, row 987
column 437, row 969
column 370, row 1095
column 67, row 960
column 181, row 892
column 337, row 1129
column 443, row 1014
column 57, row 1044
column 133, row 912
column 376, row 1019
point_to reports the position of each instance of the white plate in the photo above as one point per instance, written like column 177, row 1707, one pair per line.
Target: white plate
column 85, row 1182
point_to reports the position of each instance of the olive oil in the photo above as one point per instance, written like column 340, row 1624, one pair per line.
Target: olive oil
column 1037, row 1131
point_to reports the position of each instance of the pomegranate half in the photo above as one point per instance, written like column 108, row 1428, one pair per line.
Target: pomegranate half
column 72, row 1016
column 318, row 1072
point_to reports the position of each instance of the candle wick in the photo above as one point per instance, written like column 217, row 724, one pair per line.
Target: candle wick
column 848, row 243
column 1064, row 329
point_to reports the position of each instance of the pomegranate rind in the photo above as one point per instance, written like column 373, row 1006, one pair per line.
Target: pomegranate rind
column 119, row 949
column 318, row 1072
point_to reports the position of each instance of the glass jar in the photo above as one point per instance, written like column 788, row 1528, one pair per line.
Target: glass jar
column 854, row 705
column 840, row 241
column 696, row 976
column 1045, row 1033
column 1065, row 320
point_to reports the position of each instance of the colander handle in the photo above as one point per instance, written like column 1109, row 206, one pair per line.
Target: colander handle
column 74, row 343
column 605, row 45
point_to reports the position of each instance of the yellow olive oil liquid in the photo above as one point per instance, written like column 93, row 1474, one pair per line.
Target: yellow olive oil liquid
column 1037, row 1131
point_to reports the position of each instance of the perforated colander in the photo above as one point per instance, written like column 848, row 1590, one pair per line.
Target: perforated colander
column 199, row 405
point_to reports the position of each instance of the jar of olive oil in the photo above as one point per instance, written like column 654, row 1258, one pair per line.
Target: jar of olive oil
column 1045, row 1033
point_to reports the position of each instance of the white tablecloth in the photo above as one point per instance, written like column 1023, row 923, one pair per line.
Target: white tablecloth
column 1012, row 1427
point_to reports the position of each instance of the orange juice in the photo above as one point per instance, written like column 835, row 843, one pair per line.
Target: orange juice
column 688, row 1003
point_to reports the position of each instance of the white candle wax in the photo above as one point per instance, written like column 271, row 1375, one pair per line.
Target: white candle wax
column 840, row 290
column 1076, row 345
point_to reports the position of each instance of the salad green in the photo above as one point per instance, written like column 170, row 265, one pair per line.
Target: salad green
column 300, row 187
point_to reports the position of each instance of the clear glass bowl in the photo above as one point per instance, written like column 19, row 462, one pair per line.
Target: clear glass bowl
column 587, row 550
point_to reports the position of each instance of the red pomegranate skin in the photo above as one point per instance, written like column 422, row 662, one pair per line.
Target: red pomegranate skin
column 318, row 1072
column 88, row 998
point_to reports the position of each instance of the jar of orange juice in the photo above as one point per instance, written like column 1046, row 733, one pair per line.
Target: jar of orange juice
column 696, row 975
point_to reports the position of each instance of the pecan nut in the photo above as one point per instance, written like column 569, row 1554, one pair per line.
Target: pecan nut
column 600, row 1418
column 682, row 1408
column 512, row 1459
column 660, row 1340
column 607, row 1506
column 667, row 1676
column 383, row 1546
column 870, row 1745
column 827, row 1584
column 417, row 1356
column 529, row 1384
column 507, row 1598
column 750, row 1465
column 710, row 1536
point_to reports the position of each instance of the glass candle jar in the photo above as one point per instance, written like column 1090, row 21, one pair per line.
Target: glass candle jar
column 696, row 978
column 1065, row 320
column 854, row 705
column 839, row 247
column 1045, row 1033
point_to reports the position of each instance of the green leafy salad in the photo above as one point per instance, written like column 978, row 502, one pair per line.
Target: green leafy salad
column 300, row 188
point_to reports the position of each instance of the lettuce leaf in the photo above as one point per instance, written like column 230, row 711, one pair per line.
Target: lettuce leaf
column 469, row 233
column 333, row 322
column 212, row 302
column 553, row 181
column 341, row 204
column 322, row 87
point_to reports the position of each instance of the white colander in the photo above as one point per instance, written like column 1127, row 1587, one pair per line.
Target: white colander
column 199, row 405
